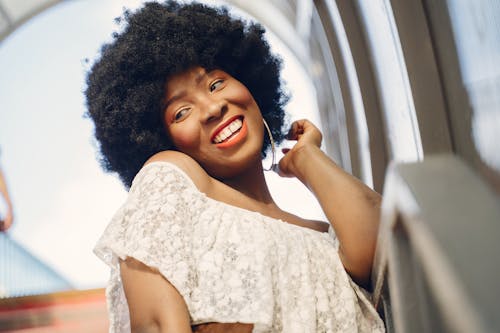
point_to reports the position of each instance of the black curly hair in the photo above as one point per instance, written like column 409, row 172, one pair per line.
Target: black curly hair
column 126, row 85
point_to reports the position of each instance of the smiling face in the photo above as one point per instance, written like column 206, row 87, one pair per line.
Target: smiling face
column 213, row 118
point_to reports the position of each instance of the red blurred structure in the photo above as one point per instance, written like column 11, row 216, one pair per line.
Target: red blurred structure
column 62, row 312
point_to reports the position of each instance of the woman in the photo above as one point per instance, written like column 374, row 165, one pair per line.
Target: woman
column 6, row 215
column 185, row 101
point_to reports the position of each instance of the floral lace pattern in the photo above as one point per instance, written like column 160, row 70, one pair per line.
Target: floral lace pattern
column 230, row 264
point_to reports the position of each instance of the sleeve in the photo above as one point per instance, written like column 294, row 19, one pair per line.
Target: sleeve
column 333, row 237
column 155, row 227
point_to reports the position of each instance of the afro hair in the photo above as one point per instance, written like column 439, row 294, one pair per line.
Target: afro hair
column 126, row 84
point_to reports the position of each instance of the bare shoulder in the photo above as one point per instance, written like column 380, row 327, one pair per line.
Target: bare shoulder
column 315, row 225
column 302, row 222
column 187, row 164
column 319, row 225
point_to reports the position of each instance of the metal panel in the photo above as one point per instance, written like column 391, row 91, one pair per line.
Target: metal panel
column 21, row 273
column 347, row 94
column 461, row 95
column 437, row 248
column 391, row 78
column 332, row 110
column 423, row 75
column 366, row 80
column 14, row 13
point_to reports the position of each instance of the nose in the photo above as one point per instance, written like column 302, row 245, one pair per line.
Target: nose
column 213, row 108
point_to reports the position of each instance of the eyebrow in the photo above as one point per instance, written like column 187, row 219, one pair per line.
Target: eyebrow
column 199, row 77
column 173, row 99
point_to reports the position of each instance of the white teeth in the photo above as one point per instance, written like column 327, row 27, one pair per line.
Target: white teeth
column 234, row 126
column 229, row 130
column 226, row 133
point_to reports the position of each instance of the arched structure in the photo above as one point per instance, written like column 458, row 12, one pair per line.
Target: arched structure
column 308, row 35
column 401, row 81
column 387, row 76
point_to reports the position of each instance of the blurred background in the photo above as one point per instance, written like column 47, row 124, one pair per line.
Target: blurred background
column 389, row 83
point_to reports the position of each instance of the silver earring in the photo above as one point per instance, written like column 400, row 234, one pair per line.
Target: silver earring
column 274, row 166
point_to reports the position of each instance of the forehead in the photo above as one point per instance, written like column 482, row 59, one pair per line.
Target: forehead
column 188, row 77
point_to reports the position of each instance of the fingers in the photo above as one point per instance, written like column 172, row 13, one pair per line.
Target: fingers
column 296, row 130
column 299, row 127
column 279, row 168
column 304, row 128
column 290, row 135
column 306, row 134
column 283, row 165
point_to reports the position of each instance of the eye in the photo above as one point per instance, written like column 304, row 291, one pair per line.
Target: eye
column 181, row 114
column 214, row 85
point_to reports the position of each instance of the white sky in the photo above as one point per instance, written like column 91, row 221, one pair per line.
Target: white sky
column 62, row 199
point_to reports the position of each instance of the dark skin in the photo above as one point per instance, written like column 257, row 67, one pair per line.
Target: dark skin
column 223, row 328
column 155, row 306
column 204, row 104
column 8, row 219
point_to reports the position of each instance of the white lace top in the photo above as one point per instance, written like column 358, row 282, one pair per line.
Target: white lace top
column 230, row 264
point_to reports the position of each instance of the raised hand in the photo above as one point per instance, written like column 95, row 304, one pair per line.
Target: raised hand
column 306, row 134
column 351, row 207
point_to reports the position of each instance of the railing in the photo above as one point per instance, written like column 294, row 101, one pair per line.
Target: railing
column 437, row 265
column 21, row 273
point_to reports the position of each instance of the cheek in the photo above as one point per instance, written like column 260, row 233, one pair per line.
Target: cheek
column 185, row 137
column 241, row 94
column 246, row 97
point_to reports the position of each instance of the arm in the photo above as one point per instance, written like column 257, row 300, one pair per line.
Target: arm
column 155, row 306
column 352, row 208
column 7, row 222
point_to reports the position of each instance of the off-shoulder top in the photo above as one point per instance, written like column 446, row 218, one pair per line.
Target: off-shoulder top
column 230, row 264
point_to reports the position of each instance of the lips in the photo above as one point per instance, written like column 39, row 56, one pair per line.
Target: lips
column 228, row 130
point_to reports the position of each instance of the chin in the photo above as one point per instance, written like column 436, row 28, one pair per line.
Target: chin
column 231, row 170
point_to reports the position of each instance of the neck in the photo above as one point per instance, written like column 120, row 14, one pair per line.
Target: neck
column 252, row 183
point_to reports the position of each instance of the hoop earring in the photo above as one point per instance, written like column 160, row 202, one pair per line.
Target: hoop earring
column 274, row 166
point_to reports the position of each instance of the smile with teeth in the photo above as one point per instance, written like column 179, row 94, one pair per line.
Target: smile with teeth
column 231, row 129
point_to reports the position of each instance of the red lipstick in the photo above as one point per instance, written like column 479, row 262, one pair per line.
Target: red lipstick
column 226, row 135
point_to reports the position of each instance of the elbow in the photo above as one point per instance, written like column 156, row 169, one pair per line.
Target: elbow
column 358, row 268
column 361, row 279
